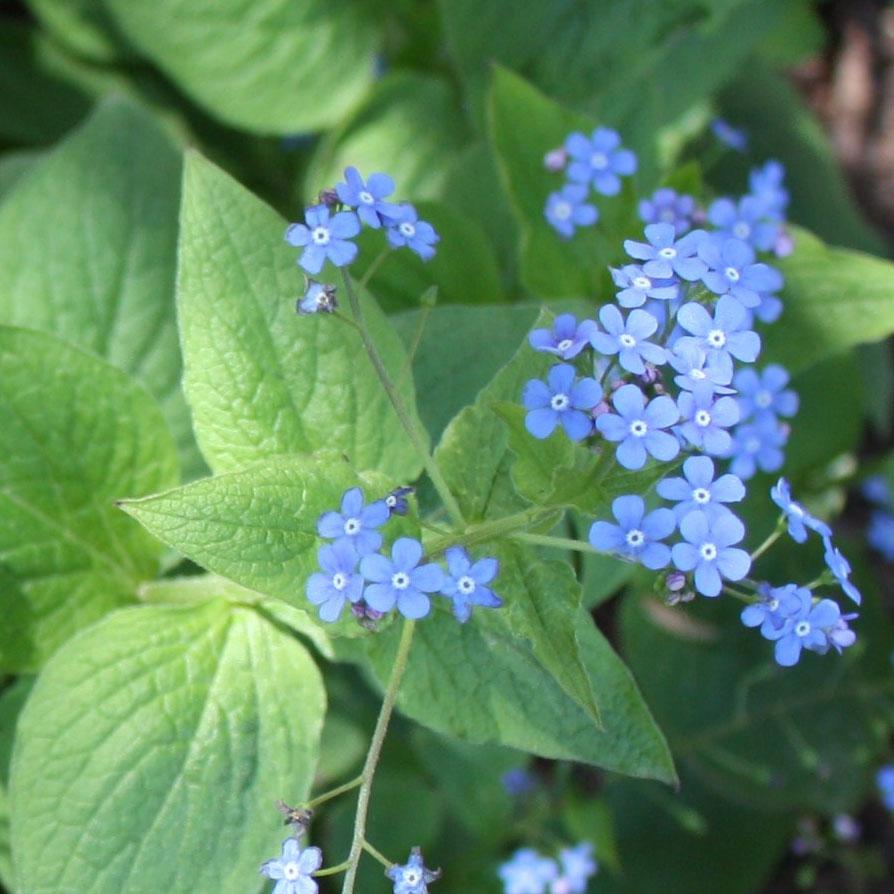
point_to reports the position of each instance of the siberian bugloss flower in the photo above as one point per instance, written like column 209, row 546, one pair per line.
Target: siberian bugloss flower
column 356, row 522
column 668, row 206
column 568, row 209
column 413, row 877
column 599, row 160
column 746, row 220
column 578, row 866
column 292, row 871
column 797, row 517
column 368, row 198
column 731, row 269
column 757, row 445
column 318, row 298
column 840, row 568
column 527, row 872
column 338, row 582
column 636, row 287
column 637, row 535
column 733, row 137
column 638, row 427
column 466, row 582
column 665, row 255
column 705, row 419
column 880, row 533
column 766, row 186
column 808, row 625
column 324, row 238
column 566, row 339
column 405, row 229
column 628, row 339
column 401, row 581
column 690, row 361
column 773, row 607
column 396, row 501
column 765, row 393
column 710, row 552
column 561, row 400
column 698, row 491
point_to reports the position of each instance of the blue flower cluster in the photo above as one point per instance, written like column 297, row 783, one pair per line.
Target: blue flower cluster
column 293, row 870
column 528, row 872
column 598, row 162
column 880, row 532
column 413, row 877
column 330, row 226
column 884, row 780
column 354, row 570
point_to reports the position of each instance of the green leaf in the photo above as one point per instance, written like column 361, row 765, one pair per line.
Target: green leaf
column 286, row 67
column 834, row 298
column 482, row 684
column 182, row 726
column 83, row 26
column 410, row 125
column 550, row 266
column 257, row 526
column 260, row 379
column 75, row 434
column 11, row 702
column 14, row 165
column 111, row 191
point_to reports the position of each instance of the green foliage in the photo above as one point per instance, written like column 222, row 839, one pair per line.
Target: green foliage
column 75, row 434
column 181, row 726
column 11, row 701
column 261, row 381
column 84, row 26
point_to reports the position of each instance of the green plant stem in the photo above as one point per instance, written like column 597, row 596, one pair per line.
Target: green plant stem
column 777, row 533
column 374, row 852
column 738, row 594
column 331, row 870
column 489, row 530
column 410, row 425
column 558, row 543
column 375, row 749
column 334, row 793
column 370, row 271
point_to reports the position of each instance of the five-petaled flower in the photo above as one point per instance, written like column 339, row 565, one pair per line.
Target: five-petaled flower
column 466, row 583
column 562, row 399
column 324, row 238
column 401, row 582
column 293, row 870
column 413, row 877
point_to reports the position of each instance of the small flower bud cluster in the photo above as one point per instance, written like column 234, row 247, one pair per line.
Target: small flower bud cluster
column 335, row 220
column 355, row 571
column 528, row 872
column 880, row 532
column 598, row 162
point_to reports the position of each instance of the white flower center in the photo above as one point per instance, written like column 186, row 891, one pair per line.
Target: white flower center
column 391, row 501
column 716, row 338
column 741, row 230
column 339, row 581
column 638, row 428
column 411, row 877
column 802, row 628
column 773, row 605
column 795, row 509
column 708, row 552
column 291, row 871
column 320, row 235
column 564, row 344
column 635, row 537
column 701, row 495
column 627, row 340
column 667, row 253
column 752, row 445
column 407, row 229
column 352, row 526
column 562, row 210
column 732, row 274
column 366, row 197
column 642, row 282
column 599, row 160
column 667, row 215
column 400, row 580
column 466, row 585
column 697, row 374
column 559, row 402
column 702, row 418
column 763, row 399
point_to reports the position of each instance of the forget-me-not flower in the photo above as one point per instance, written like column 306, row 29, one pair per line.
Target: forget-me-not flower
column 466, row 582
column 666, row 205
column 745, row 220
column 698, row 491
column 568, row 209
column 599, row 160
column 561, row 400
column 405, row 229
column 637, row 535
column 764, row 393
column 628, row 339
column 710, row 551
column 356, row 522
column 293, row 870
column 566, row 339
column 527, row 872
column 578, row 866
column 757, row 445
column 733, row 137
column 706, row 418
column 689, row 360
column 318, row 298
column 840, row 568
column 765, row 184
column 797, row 517
column 731, row 269
column 639, row 427
column 880, row 533
column 368, row 198
column 665, row 255
column 339, row 580
column 636, row 287
column 413, row 877
column 722, row 337
column 807, row 627
column 401, row 581
column 324, row 238
column 774, row 607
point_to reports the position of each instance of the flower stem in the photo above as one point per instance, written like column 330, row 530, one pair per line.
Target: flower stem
column 331, row 870
column 411, row 426
column 489, row 530
column 370, row 271
column 375, row 749
column 373, row 852
column 777, row 533
column 334, row 793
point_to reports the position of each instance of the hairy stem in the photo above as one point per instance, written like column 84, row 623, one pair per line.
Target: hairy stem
column 377, row 854
column 410, row 425
column 372, row 757
column 777, row 533
column 334, row 793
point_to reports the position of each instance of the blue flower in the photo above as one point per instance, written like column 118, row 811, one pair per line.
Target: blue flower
column 709, row 551
column 773, row 608
column 689, row 360
column 698, row 491
column 666, row 255
column 405, row 229
column 318, row 298
column 355, row 522
column 808, row 626
column 413, row 877
column 368, row 197
column 745, row 220
column 567, row 209
column 637, row 535
column 764, row 394
column 599, row 160
column 733, row 137
column 518, row 781
column 396, row 501
column 884, row 780
column 339, row 580
column 566, row 339
column 636, row 287
column 465, row 582
column 628, row 339
column 796, row 516
column 292, row 871
column 638, row 427
column 721, row 338
column 766, row 186
column 880, row 533
column 731, row 270
column 705, row 419
column 840, row 568
column 577, row 867
column 669, row 207
column 324, row 239
column 877, row 490
column 757, row 445
column 400, row 581
column 526, row 872
column 561, row 400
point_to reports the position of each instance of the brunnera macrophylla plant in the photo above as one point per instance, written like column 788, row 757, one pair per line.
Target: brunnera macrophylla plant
column 330, row 532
